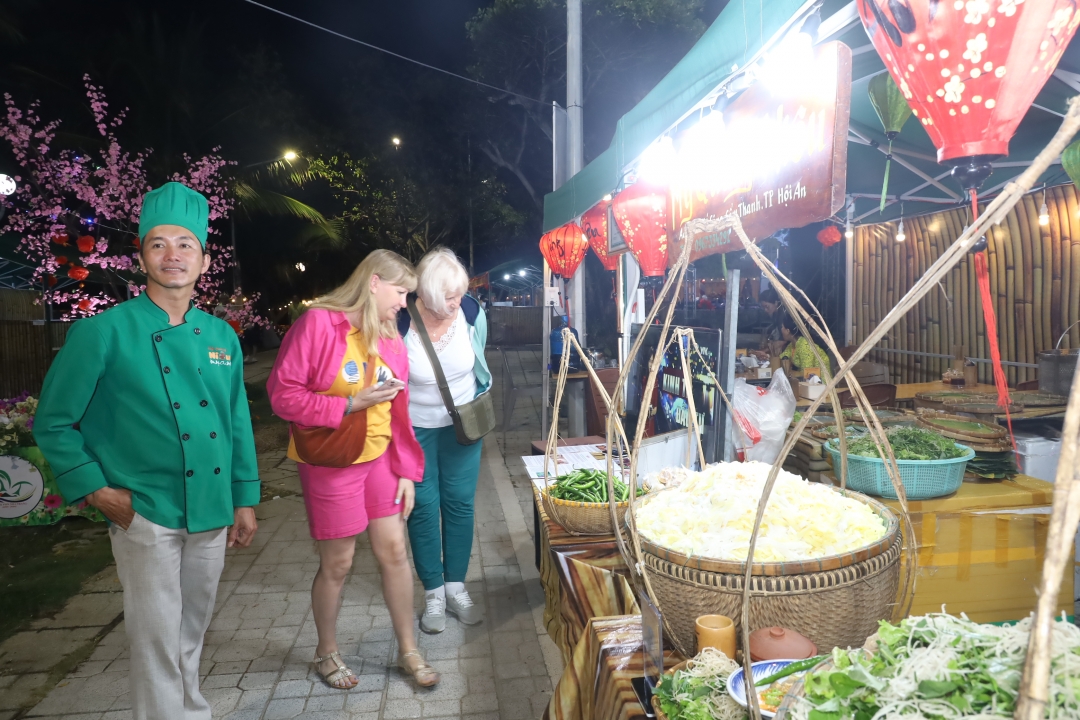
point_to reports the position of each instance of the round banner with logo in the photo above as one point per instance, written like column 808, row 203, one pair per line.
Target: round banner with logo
column 29, row 495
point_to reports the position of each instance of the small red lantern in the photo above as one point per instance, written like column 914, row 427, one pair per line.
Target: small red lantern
column 60, row 239
column 970, row 70
column 594, row 223
column 61, row 260
column 78, row 273
column 51, row 280
column 84, row 304
column 86, row 243
column 829, row 236
column 642, row 213
column 564, row 249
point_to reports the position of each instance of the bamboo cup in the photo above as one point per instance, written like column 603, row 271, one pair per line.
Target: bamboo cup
column 716, row 631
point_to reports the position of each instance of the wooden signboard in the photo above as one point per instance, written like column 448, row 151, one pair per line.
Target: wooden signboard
column 776, row 157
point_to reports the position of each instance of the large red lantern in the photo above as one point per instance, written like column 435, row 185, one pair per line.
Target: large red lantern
column 970, row 70
column 594, row 223
column 564, row 249
column 642, row 214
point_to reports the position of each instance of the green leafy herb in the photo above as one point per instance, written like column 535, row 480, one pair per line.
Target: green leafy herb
column 909, row 443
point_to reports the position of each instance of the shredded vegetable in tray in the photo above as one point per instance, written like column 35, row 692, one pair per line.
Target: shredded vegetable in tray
column 941, row 667
column 711, row 515
column 699, row 692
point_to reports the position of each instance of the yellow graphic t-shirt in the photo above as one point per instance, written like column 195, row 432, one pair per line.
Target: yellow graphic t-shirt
column 349, row 381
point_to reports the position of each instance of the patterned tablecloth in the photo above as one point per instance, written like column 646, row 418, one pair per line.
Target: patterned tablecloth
column 596, row 684
column 584, row 577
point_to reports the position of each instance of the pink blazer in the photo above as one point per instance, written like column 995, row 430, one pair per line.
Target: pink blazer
column 309, row 359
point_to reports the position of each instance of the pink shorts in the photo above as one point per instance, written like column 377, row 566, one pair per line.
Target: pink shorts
column 341, row 501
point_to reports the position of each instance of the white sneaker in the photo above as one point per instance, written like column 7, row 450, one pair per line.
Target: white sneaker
column 462, row 606
column 434, row 618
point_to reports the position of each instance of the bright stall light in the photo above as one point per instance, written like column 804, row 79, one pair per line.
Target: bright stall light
column 521, row 273
column 849, row 232
column 290, row 155
column 1044, row 215
column 7, row 185
column 301, row 267
column 900, row 236
column 506, row 276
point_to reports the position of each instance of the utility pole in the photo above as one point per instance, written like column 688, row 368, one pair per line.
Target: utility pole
column 575, row 406
column 468, row 153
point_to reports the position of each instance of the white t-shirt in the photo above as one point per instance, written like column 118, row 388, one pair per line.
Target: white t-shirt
column 455, row 353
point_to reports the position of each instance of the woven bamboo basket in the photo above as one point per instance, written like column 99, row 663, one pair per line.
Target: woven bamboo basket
column 835, row 601
column 578, row 518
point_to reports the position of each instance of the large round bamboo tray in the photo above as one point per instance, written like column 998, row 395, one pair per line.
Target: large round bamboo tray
column 837, row 604
column 794, row 567
column 578, row 518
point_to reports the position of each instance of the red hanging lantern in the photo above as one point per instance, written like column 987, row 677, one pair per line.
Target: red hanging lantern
column 61, row 260
column 564, row 249
column 642, row 213
column 86, row 243
column 85, row 305
column 78, row 273
column 594, row 223
column 60, row 239
column 970, row 70
column 828, row 236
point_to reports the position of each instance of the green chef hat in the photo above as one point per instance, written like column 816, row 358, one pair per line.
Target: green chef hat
column 174, row 204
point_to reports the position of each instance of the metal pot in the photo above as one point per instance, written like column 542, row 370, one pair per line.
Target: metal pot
column 1056, row 369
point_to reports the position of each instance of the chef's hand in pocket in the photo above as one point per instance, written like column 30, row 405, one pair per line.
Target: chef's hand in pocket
column 406, row 496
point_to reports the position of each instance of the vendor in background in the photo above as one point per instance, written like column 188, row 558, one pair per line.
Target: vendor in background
column 801, row 350
column 772, row 341
column 704, row 303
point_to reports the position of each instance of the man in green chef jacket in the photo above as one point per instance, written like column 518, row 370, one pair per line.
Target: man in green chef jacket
column 145, row 415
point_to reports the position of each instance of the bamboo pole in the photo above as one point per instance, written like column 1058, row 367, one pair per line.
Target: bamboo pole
column 1073, row 264
column 1068, row 231
column 1008, row 352
column 1046, row 281
column 1057, row 209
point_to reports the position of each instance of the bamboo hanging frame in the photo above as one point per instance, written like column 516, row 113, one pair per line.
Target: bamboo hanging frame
column 1065, row 515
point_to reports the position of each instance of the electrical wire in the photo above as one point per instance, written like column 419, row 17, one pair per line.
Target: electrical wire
column 394, row 54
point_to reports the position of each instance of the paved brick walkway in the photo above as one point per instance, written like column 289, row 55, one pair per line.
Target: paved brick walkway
column 256, row 662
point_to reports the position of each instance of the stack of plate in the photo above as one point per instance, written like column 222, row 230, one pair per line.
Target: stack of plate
column 993, row 453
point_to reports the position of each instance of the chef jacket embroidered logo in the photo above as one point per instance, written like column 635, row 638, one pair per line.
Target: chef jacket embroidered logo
column 220, row 356
column 351, row 372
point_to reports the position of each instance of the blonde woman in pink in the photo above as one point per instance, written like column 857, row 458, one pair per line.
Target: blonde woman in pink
column 341, row 380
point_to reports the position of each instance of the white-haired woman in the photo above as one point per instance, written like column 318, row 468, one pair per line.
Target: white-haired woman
column 342, row 366
column 457, row 328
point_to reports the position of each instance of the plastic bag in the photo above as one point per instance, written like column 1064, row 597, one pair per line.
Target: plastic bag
column 762, row 417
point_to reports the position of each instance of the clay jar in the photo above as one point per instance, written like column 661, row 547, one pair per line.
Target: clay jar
column 777, row 643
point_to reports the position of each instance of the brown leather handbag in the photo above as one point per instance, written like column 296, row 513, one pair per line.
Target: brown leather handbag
column 330, row 447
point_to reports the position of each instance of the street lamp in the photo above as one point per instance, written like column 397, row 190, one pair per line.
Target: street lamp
column 290, row 155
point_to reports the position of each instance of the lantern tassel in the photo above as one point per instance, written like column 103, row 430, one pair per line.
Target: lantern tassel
column 982, row 275
column 885, row 184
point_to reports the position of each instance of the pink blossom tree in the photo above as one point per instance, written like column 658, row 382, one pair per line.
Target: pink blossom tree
column 77, row 213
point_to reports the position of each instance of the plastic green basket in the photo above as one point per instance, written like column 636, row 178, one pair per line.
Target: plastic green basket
column 923, row 479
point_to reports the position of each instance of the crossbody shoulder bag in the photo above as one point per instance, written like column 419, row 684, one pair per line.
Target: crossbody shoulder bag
column 472, row 420
column 335, row 448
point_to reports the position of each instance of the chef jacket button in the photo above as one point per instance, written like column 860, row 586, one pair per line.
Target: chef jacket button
column 198, row 331
column 217, row 471
column 157, row 338
column 202, row 403
column 185, row 436
column 166, row 370
column 213, row 435
column 176, row 405
column 190, row 473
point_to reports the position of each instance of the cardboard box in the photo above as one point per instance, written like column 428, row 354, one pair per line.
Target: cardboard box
column 811, row 391
column 980, row 551
column 762, row 373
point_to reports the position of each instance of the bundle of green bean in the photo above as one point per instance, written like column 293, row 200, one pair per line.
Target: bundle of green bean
column 589, row 486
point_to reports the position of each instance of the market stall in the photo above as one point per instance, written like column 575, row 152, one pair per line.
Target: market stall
column 767, row 551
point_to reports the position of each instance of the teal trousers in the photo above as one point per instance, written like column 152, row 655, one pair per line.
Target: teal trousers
column 441, row 524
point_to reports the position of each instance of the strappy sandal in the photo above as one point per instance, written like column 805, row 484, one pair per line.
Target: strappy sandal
column 423, row 674
column 335, row 677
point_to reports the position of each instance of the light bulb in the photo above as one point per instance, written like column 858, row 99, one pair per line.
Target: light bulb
column 849, row 232
column 1044, row 215
column 900, row 236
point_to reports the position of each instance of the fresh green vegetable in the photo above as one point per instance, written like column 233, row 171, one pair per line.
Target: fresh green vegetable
column 909, row 443
column 589, row 486
column 940, row 667
column 795, row 667
column 700, row 691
